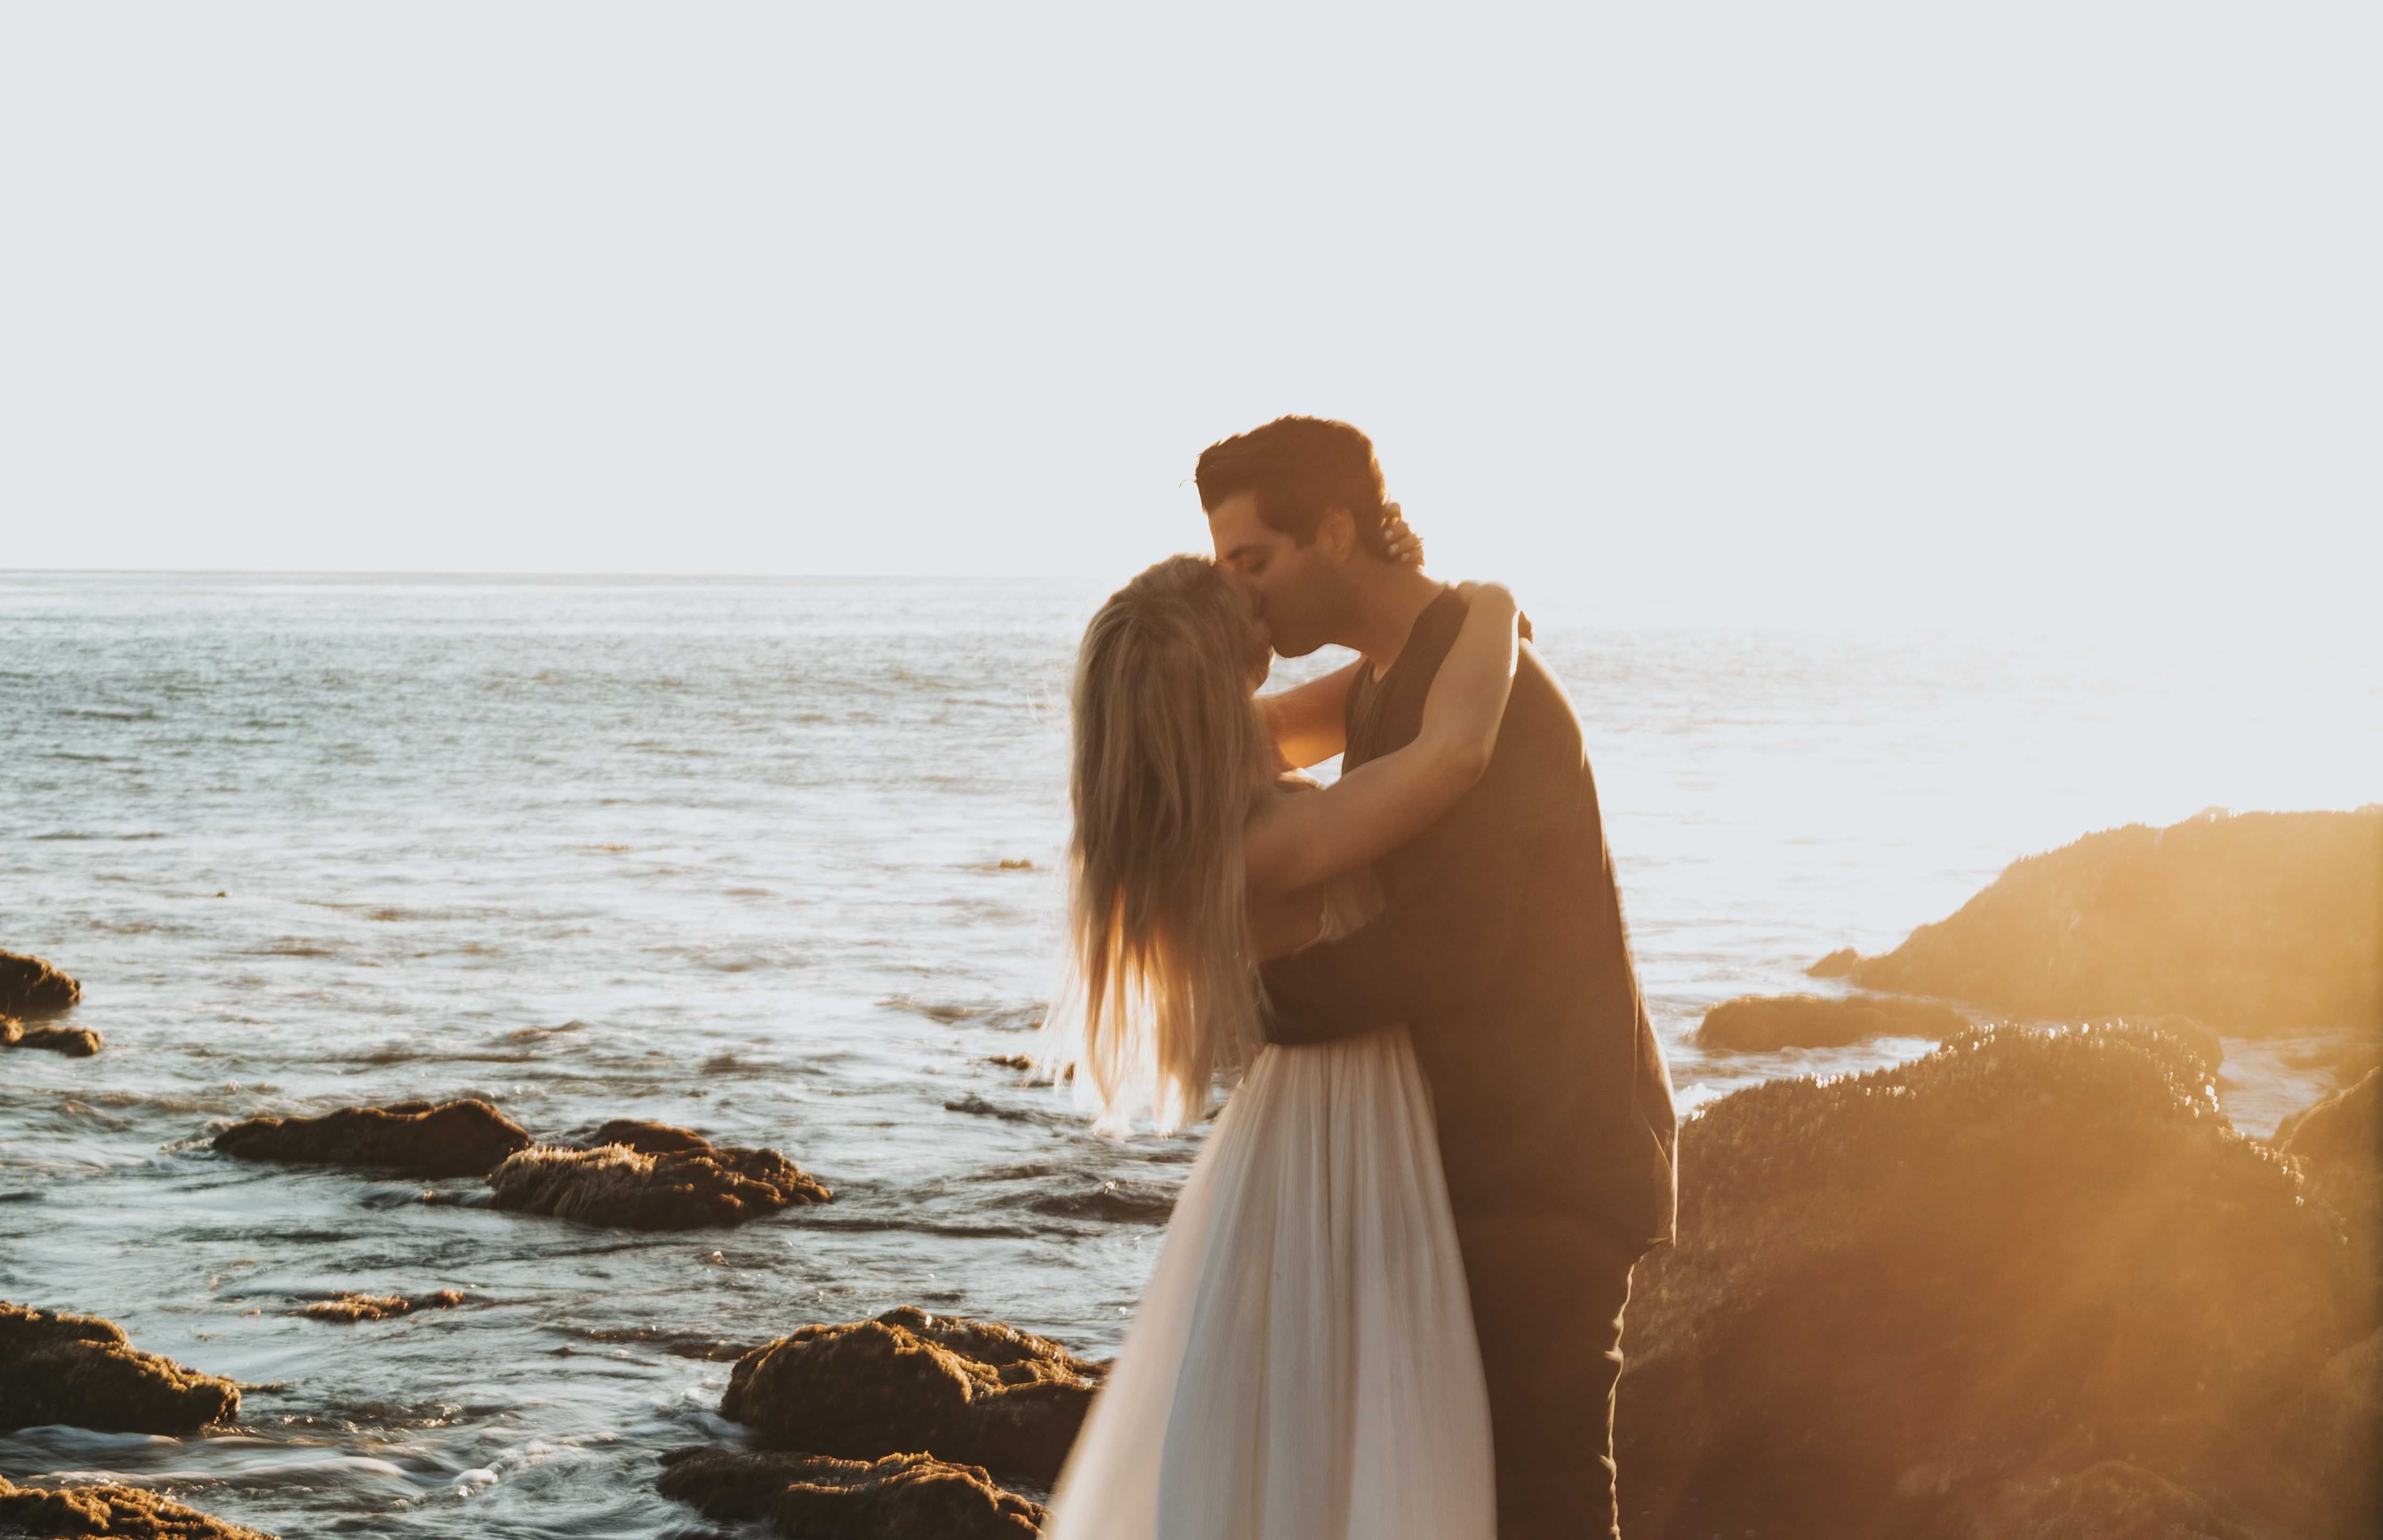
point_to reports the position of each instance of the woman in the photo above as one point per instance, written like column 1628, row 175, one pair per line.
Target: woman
column 1304, row 1365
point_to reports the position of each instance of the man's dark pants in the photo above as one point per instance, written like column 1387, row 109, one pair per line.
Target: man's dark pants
column 1548, row 1296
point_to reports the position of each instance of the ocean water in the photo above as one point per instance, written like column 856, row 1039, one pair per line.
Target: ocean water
column 747, row 855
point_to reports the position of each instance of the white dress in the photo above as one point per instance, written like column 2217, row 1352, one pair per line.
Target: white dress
column 1304, row 1365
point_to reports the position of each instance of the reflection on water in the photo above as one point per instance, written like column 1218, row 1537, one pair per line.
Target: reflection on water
column 748, row 857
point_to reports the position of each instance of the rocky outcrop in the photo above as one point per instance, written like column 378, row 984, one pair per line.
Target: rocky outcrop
column 2266, row 922
column 118, row 1512
column 348, row 1309
column 2340, row 1142
column 29, row 987
column 75, row 1042
column 1836, row 965
column 457, row 1139
column 2344, row 1132
column 80, row 1371
column 1756, row 1022
column 1965, row 1284
column 904, row 1496
column 972, row 1392
column 614, row 1184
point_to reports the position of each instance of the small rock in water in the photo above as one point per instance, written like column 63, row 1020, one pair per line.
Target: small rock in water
column 348, row 1309
column 458, row 1138
column 104, row 1509
column 903, row 1496
column 75, row 1042
column 80, row 1371
column 1757, row 1022
column 1836, row 965
column 30, row 987
column 647, row 1138
column 974, row 1392
column 683, row 1190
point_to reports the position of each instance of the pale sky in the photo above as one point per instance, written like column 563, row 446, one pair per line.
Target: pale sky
column 1664, row 313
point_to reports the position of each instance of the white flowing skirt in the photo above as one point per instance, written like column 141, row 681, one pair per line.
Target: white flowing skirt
column 1303, row 1364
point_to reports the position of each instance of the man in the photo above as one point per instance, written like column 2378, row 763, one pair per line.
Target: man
column 1502, row 949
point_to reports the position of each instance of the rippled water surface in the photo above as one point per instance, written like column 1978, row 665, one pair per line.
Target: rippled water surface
column 745, row 855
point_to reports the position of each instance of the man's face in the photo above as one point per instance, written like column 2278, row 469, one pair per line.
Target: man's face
column 1296, row 587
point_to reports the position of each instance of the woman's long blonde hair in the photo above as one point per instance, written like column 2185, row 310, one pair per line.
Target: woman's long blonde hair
column 1170, row 756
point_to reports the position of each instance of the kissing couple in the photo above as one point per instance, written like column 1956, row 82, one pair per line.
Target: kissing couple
column 1389, row 1305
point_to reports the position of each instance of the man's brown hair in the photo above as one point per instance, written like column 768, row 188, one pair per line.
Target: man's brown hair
column 1298, row 467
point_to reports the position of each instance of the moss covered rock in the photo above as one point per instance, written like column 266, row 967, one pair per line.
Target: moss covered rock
column 29, row 987
column 120, row 1513
column 683, row 1189
column 82, row 1371
column 457, row 1139
column 972, row 1392
column 2027, row 1255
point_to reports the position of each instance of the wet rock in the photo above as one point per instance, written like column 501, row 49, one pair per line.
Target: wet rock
column 1896, row 1294
column 1836, row 965
column 120, row 1512
column 2340, row 1141
column 903, row 1496
column 29, row 987
column 349, row 1309
column 2342, row 1132
column 80, row 1371
column 2259, row 922
column 1758, row 1022
column 75, row 1042
column 973, row 1392
column 457, row 1139
column 647, row 1138
column 684, row 1190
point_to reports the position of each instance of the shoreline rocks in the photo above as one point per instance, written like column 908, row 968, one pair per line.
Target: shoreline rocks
column 106, row 1509
column 1753, row 1023
column 971, row 1392
column 902, row 1497
column 2340, row 1142
column 2257, row 922
column 464, row 1138
column 679, row 1189
column 1965, row 1284
column 82, row 1372
column 75, row 1042
column 30, row 987
column 348, row 1309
